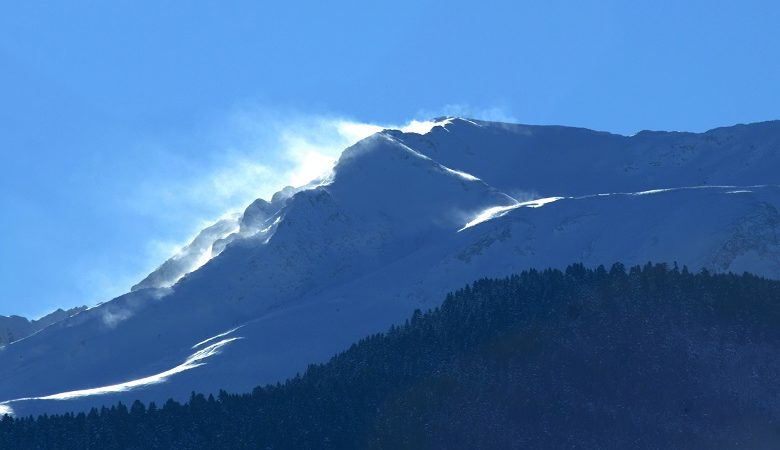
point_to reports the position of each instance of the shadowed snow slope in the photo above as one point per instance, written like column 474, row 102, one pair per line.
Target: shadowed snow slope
column 305, row 275
column 554, row 161
column 14, row 328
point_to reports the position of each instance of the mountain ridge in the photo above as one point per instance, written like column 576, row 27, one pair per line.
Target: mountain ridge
column 14, row 328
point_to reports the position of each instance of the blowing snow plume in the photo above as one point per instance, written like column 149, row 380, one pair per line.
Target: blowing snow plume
column 261, row 154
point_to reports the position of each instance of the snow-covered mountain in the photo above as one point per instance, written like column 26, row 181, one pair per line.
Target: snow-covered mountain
column 403, row 219
column 13, row 328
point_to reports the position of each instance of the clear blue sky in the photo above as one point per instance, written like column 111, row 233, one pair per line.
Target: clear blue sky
column 125, row 125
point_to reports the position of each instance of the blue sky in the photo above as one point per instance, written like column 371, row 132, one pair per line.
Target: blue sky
column 126, row 126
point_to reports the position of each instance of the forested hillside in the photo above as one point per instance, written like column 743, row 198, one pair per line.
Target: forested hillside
column 649, row 357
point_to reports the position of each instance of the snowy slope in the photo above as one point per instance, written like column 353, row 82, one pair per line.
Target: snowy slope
column 403, row 219
column 13, row 328
column 551, row 160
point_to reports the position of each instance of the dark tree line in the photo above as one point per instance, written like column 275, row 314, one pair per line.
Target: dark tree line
column 650, row 357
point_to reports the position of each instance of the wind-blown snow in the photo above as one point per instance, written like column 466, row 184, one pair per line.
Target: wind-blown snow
column 425, row 127
column 462, row 174
column 213, row 338
column 498, row 211
column 192, row 256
